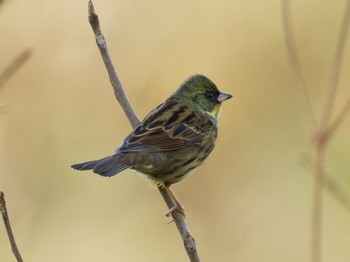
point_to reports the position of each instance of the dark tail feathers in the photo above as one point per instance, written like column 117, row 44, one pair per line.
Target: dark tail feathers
column 108, row 166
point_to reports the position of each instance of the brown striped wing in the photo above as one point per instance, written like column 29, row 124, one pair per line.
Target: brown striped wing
column 169, row 127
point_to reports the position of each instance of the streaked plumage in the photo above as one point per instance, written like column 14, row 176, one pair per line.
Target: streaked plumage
column 173, row 139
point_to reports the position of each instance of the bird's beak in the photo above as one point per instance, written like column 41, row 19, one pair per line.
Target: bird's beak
column 222, row 97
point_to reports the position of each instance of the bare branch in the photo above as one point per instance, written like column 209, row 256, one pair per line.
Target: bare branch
column 319, row 134
column 334, row 188
column 335, row 70
column 188, row 240
column 179, row 220
column 116, row 84
column 317, row 205
column 338, row 120
column 296, row 67
column 14, row 66
column 6, row 219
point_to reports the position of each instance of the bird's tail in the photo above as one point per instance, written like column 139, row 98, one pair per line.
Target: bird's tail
column 108, row 166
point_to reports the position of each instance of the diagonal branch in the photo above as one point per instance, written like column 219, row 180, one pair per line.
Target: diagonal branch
column 296, row 67
column 188, row 240
column 335, row 70
column 338, row 119
column 321, row 134
column 119, row 93
column 113, row 77
column 6, row 219
column 12, row 68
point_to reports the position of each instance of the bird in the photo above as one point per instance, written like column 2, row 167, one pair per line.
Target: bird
column 172, row 141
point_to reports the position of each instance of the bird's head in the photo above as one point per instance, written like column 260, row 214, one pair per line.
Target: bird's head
column 200, row 92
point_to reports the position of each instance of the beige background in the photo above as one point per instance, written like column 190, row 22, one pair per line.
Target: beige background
column 250, row 202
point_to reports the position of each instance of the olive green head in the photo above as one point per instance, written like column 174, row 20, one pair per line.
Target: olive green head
column 200, row 92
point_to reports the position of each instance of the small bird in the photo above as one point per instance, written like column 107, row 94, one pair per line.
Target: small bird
column 172, row 141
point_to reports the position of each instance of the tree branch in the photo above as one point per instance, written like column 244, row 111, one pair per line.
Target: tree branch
column 6, row 219
column 113, row 77
column 335, row 70
column 338, row 119
column 5, row 75
column 321, row 134
column 296, row 67
column 119, row 93
column 14, row 66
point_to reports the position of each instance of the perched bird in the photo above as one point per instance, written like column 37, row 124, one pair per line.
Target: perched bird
column 173, row 139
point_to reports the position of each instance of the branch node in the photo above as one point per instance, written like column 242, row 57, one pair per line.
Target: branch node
column 190, row 243
column 93, row 19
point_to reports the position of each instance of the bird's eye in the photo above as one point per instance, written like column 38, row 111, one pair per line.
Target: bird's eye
column 210, row 95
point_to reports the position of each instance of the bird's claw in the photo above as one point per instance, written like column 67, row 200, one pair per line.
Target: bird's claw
column 177, row 207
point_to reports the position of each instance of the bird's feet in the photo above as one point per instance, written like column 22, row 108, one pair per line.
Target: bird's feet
column 177, row 208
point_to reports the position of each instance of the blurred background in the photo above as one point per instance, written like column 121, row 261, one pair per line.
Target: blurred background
column 251, row 201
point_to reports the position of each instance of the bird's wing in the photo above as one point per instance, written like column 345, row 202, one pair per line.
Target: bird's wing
column 171, row 126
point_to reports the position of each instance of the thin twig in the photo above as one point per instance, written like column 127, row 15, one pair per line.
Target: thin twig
column 14, row 66
column 5, row 75
column 6, row 219
column 296, row 67
column 315, row 239
column 188, row 240
column 338, row 120
column 334, row 72
column 113, row 77
column 317, row 205
column 319, row 135
column 323, row 135
column 179, row 220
